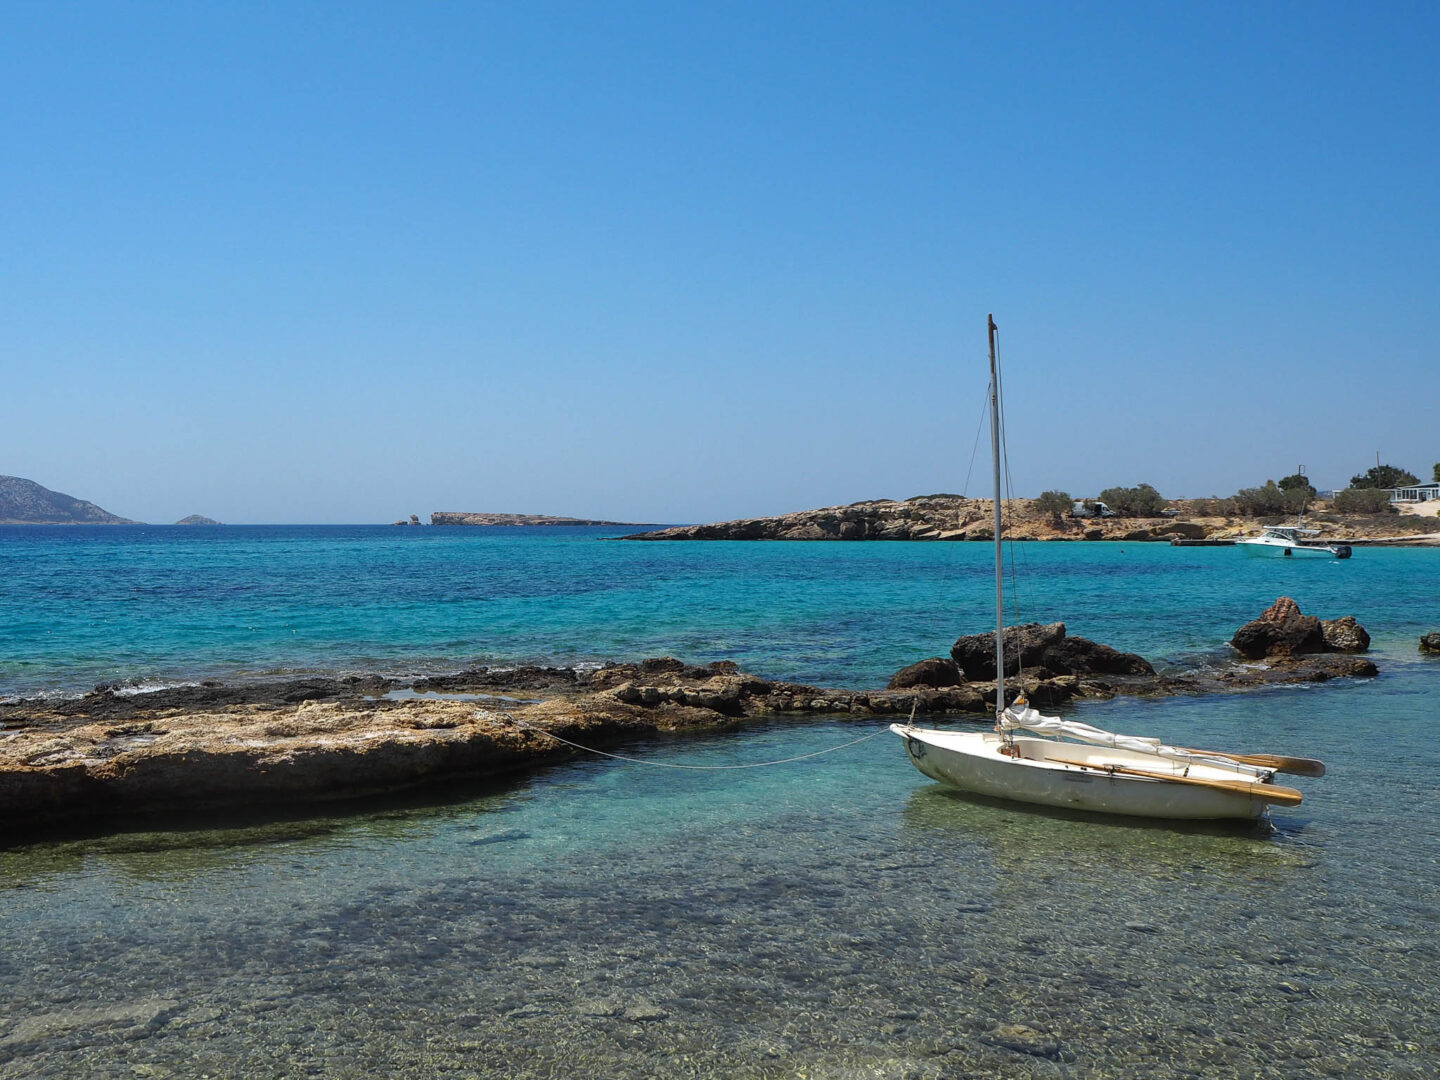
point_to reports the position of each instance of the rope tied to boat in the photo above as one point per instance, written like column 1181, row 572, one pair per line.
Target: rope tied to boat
column 698, row 768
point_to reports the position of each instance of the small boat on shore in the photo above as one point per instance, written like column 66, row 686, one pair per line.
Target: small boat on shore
column 1288, row 541
column 1097, row 770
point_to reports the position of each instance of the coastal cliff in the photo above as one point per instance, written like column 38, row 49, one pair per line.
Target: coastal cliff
column 24, row 502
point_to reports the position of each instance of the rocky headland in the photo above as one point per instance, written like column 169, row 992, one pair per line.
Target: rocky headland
column 111, row 754
column 956, row 517
column 455, row 517
column 24, row 502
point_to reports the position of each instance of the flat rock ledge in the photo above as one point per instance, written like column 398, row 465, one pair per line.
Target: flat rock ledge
column 111, row 754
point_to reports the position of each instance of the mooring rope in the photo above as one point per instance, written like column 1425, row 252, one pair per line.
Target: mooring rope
column 699, row 768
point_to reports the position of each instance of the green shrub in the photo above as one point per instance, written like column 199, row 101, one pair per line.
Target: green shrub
column 1262, row 501
column 1213, row 507
column 1055, row 503
column 1273, row 500
column 1363, row 500
column 1140, row 501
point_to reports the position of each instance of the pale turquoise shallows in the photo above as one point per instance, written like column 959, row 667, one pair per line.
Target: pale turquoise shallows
column 840, row 917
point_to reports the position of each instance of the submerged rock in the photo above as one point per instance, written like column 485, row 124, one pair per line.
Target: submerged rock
column 1024, row 1039
column 1430, row 643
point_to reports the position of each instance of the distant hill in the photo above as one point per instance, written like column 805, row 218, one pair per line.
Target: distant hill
column 198, row 519
column 454, row 517
column 24, row 502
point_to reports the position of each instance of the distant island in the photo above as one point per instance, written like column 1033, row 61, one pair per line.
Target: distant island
column 198, row 519
column 452, row 517
column 24, row 502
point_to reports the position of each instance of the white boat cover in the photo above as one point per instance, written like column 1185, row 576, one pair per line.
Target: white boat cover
column 1022, row 716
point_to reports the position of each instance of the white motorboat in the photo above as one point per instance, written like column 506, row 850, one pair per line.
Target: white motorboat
column 1287, row 541
column 1095, row 770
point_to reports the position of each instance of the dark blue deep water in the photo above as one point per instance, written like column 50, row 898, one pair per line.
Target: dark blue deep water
column 840, row 917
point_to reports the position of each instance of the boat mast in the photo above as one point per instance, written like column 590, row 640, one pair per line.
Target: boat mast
column 999, row 563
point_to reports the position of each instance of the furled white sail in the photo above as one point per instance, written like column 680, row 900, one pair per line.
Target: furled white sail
column 1022, row 716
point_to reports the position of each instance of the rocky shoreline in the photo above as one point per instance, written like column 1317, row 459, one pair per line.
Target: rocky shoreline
column 957, row 518
column 110, row 755
column 468, row 517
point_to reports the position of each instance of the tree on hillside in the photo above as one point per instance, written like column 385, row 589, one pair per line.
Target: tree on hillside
column 1383, row 476
column 1297, row 482
column 1435, row 473
column 1140, row 501
column 1055, row 503
column 1266, row 501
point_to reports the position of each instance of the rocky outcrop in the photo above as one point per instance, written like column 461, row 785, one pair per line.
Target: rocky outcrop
column 1282, row 631
column 927, row 517
column 451, row 517
column 197, row 519
column 1024, row 646
column 24, row 502
column 1430, row 643
column 113, row 753
column 1043, row 652
column 956, row 517
column 936, row 671
column 722, row 688
column 1344, row 635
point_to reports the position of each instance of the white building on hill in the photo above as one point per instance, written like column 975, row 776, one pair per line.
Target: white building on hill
column 1415, row 493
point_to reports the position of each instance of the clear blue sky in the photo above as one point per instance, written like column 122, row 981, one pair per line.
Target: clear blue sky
column 680, row 262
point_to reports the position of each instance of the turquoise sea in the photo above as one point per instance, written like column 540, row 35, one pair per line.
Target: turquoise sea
column 839, row 917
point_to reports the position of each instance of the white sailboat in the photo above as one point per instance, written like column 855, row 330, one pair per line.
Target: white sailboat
column 1096, row 770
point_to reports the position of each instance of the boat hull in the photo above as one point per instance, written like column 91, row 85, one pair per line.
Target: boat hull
column 1275, row 549
column 972, row 762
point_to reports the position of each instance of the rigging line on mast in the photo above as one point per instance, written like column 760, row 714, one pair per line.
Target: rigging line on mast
column 699, row 768
column 1009, row 483
column 979, row 430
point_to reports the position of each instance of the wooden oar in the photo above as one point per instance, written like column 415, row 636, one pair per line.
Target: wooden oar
column 1266, row 792
column 1300, row 766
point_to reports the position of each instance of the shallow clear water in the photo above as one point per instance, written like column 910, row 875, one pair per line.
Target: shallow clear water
column 839, row 917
